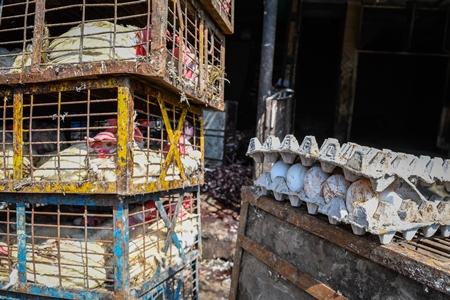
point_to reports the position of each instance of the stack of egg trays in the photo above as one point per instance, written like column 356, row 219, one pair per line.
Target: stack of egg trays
column 394, row 176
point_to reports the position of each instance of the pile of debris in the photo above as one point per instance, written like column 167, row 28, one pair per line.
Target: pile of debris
column 225, row 182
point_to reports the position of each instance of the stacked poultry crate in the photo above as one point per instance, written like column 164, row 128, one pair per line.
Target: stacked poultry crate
column 102, row 141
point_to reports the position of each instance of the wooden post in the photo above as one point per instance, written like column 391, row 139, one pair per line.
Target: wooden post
column 349, row 61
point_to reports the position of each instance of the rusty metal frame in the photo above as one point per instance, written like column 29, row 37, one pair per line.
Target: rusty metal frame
column 153, row 70
column 125, row 86
column 225, row 22
column 119, row 204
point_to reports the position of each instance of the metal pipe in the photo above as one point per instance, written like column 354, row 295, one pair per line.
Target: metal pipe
column 266, row 65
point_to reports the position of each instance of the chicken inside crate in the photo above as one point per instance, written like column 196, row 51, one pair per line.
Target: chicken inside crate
column 101, row 245
column 113, row 135
column 173, row 43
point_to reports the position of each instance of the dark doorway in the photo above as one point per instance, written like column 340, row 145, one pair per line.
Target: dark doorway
column 398, row 102
column 318, row 69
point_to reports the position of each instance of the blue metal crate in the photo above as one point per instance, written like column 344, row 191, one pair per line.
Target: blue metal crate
column 100, row 246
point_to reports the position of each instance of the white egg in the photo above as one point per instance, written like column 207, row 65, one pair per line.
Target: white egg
column 361, row 193
column 314, row 179
column 295, row 177
column 279, row 169
column 335, row 187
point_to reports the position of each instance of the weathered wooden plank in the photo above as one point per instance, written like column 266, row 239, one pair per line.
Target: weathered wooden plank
column 310, row 285
column 410, row 263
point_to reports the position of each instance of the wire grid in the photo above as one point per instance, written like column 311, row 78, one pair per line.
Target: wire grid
column 62, row 247
column 74, row 135
column 121, row 36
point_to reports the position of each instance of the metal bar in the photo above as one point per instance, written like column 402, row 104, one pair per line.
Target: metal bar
column 403, row 53
column 65, row 294
column 195, row 281
column 38, row 35
column 21, row 245
column 121, row 250
column 171, row 234
column 125, row 139
column 427, row 245
column 265, row 72
column 1, row 11
column 310, row 285
column 18, row 135
column 151, row 284
column 399, row 7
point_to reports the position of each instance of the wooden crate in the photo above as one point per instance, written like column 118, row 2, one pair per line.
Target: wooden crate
column 114, row 135
column 173, row 43
column 100, row 246
column 284, row 253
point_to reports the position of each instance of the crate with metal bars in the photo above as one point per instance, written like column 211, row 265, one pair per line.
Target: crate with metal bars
column 114, row 135
column 222, row 12
column 173, row 43
column 100, row 246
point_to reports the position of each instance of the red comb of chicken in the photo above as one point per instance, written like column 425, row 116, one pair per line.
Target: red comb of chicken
column 142, row 38
column 101, row 137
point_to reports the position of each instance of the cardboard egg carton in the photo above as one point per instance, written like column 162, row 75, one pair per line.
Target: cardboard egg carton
column 412, row 211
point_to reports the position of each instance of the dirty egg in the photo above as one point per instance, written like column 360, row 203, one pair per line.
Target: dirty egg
column 314, row 179
column 361, row 193
column 335, row 187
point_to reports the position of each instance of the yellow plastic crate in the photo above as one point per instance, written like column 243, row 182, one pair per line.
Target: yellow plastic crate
column 115, row 135
column 173, row 43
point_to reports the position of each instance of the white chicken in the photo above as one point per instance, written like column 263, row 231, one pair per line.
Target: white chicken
column 191, row 162
column 6, row 162
column 23, row 60
column 146, row 165
column 45, row 231
column 103, row 166
column 69, row 166
column 99, row 43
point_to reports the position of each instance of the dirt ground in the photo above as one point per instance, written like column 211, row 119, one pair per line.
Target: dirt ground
column 220, row 209
column 219, row 231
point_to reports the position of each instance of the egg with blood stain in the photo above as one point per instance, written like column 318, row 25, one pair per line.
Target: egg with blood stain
column 361, row 193
column 335, row 187
column 314, row 179
column 279, row 169
column 295, row 177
